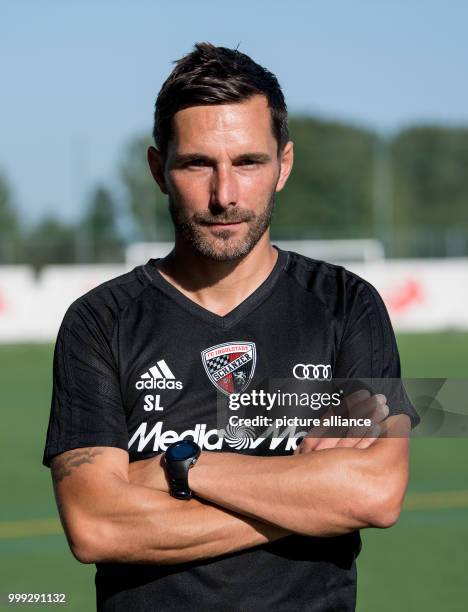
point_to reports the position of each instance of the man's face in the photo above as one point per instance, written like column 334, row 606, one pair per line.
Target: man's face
column 221, row 175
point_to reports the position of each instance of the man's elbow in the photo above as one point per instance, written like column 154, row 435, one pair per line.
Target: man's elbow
column 89, row 543
column 83, row 554
column 385, row 483
column 384, row 509
column 386, row 516
column 103, row 542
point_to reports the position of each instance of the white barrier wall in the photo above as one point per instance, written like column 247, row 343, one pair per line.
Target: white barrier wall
column 18, row 294
column 31, row 309
column 420, row 295
column 59, row 286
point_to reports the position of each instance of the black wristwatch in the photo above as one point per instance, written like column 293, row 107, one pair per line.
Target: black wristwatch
column 178, row 459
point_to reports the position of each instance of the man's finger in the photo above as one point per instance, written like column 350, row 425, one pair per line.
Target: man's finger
column 366, row 407
column 359, row 431
column 369, row 439
column 355, row 398
column 311, row 441
column 327, row 443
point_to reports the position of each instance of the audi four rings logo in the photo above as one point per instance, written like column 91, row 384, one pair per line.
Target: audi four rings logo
column 310, row 371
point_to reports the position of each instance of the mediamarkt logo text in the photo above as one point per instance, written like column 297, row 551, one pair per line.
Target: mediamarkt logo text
column 212, row 439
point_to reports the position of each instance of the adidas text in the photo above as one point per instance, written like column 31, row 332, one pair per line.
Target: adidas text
column 154, row 383
column 159, row 376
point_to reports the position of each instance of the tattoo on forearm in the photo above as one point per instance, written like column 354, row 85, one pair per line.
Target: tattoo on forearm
column 63, row 466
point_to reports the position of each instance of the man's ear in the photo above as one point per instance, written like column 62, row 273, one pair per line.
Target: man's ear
column 156, row 164
column 286, row 164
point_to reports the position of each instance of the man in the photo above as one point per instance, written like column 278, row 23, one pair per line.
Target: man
column 141, row 362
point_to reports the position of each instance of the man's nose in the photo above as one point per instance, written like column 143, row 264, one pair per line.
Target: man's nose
column 224, row 187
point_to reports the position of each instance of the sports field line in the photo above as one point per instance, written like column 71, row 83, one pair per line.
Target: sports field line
column 436, row 500
column 30, row 527
column 427, row 500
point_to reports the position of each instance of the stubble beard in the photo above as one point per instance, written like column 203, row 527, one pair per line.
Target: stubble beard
column 222, row 245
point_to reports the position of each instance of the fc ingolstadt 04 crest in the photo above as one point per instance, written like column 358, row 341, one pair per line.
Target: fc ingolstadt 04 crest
column 230, row 366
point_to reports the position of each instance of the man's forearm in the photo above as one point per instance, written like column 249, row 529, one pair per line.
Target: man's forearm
column 168, row 531
column 325, row 493
column 114, row 520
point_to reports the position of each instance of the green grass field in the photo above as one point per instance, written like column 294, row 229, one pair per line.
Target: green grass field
column 420, row 564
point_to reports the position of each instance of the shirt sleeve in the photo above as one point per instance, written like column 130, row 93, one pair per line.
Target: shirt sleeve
column 86, row 408
column 368, row 348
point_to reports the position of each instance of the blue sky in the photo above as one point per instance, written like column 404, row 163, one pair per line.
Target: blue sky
column 79, row 78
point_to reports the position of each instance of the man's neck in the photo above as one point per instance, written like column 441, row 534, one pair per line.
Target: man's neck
column 218, row 286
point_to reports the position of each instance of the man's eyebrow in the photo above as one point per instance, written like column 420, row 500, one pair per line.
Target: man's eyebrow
column 181, row 158
column 255, row 156
column 188, row 157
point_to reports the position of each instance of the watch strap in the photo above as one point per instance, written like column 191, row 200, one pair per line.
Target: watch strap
column 177, row 472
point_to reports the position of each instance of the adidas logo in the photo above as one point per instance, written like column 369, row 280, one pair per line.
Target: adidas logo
column 158, row 377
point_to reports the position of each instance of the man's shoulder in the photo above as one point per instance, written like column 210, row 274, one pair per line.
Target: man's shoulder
column 107, row 300
column 345, row 295
column 324, row 277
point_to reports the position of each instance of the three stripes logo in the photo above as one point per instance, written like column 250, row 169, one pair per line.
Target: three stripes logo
column 158, row 376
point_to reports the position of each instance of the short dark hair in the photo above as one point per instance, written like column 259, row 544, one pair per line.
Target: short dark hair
column 212, row 75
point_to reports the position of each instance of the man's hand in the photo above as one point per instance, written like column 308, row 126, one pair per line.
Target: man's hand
column 360, row 404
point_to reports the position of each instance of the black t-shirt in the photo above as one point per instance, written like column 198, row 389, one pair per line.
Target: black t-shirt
column 138, row 364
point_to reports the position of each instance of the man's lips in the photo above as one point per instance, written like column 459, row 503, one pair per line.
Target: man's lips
column 226, row 225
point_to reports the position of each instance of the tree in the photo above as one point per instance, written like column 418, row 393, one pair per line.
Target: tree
column 330, row 191
column 10, row 235
column 50, row 242
column 430, row 185
column 145, row 202
column 99, row 239
column 430, row 174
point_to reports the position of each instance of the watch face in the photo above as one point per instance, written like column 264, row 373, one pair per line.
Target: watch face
column 179, row 451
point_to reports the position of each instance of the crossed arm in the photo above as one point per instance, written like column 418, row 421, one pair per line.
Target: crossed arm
column 113, row 511
column 108, row 517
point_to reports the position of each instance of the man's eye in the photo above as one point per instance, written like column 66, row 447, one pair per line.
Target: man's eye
column 248, row 162
column 195, row 162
